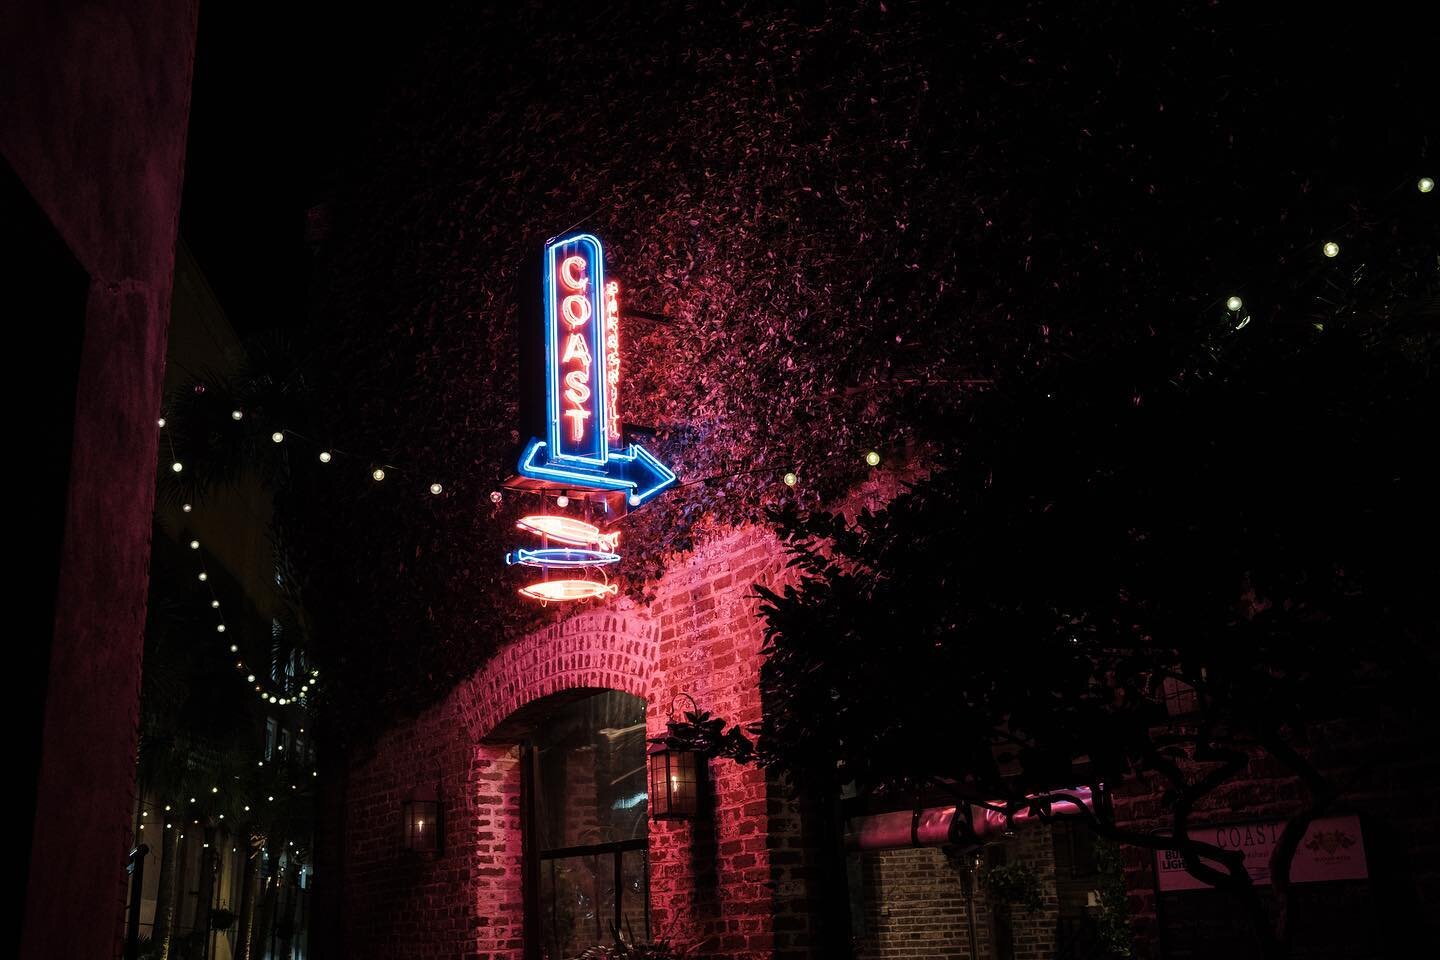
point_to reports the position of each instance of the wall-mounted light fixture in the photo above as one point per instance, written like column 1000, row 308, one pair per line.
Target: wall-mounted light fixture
column 674, row 778
column 420, row 816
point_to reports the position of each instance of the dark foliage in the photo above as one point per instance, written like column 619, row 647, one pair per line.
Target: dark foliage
column 857, row 214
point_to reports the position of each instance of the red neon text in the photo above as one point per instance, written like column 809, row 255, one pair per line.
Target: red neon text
column 612, row 360
column 575, row 311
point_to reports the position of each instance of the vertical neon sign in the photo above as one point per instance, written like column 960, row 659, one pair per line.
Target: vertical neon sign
column 612, row 366
column 575, row 352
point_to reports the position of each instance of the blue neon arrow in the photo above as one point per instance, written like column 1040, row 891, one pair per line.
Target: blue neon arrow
column 636, row 471
column 581, row 448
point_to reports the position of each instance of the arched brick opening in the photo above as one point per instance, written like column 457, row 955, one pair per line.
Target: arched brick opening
column 496, row 707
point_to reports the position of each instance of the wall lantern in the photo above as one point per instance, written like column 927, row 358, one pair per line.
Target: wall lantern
column 674, row 778
column 420, row 815
column 674, row 786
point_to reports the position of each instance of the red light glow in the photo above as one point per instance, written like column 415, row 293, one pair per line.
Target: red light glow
column 612, row 362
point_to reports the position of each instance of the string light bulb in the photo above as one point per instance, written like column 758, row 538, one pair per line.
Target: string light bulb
column 250, row 678
column 563, row 500
column 873, row 458
column 790, row 479
column 277, row 436
column 204, row 576
column 234, row 648
column 161, row 421
column 236, row 414
column 1426, row 184
column 186, row 508
column 1234, row 304
column 220, row 628
column 324, row 456
column 194, row 544
column 1332, row 249
column 496, row 496
column 633, row 499
column 435, row 488
column 177, row 466
column 215, row 604
column 377, row 474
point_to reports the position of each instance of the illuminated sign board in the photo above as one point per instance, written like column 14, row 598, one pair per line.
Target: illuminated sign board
column 583, row 446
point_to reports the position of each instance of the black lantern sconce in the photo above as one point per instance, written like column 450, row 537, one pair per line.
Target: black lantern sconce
column 674, row 779
column 420, row 815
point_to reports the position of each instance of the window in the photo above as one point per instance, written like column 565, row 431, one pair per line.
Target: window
column 272, row 731
column 587, row 826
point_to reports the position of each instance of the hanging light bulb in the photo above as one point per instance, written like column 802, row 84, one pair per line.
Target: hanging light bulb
column 236, row 414
column 873, row 458
column 1426, row 184
column 177, row 466
column 790, row 479
column 1234, row 304
column 633, row 499
column 194, row 544
column 204, row 576
column 234, row 649
column 435, row 488
column 496, row 496
column 277, row 436
column 1332, row 249
column 215, row 604
column 377, row 474
column 324, row 456
column 250, row 678
column 563, row 500
column 185, row 507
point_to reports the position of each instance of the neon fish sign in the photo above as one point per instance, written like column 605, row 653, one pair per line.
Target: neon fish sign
column 583, row 445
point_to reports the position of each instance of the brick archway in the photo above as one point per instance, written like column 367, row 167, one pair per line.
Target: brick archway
column 608, row 650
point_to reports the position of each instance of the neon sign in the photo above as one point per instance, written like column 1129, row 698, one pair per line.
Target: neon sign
column 561, row 590
column 568, row 530
column 561, row 557
column 583, row 446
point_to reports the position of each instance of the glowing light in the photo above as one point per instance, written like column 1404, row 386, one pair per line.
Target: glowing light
column 234, row 649
column 561, row 557
column 568, row 530
column 873, row 458
column 215, row 604
column 1234, row 304
column 236, row 414
column 567, row 590
column 790, row 479
column 277, row 436
column 324, row 456
column 496, row 496
column 250, row 678
column 177, row 466
column 562, row 501
column 1332, row 249
column 204, row 576
column 220, row 628
column 633, row 500
column 194, row 544
column 186, row 508
column 435, row 488
column 612, row 363
column 1425, row 185
column 377, row 474
column 575, row 275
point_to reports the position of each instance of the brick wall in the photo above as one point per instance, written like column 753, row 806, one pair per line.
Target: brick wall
column 914, row 905
column 734, row 883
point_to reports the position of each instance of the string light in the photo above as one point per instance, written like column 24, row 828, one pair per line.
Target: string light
column 790, row 479
column 177, row 466
column 435, row 488
column 1234, row 304
column 873, row 458
column 186, row 508
column 377, row 474
column 234, row 649
column 236, row 414
column 633, row 499
column 277, row 436
column 563, row 500
column 215, row 604
column 1332, row 249
column 204, row 576
column 194, row 544
column 496, row 496
column 162, row 421
column 250, row 678
column 1426, row 184
column 324, row 456
column 220, row 628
